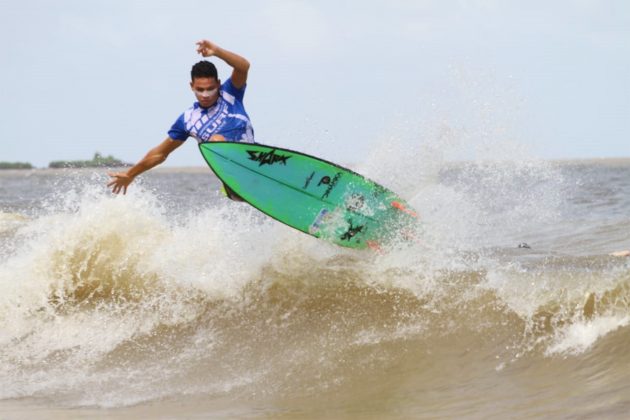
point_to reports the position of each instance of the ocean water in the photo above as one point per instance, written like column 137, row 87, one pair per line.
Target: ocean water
column 174, row 302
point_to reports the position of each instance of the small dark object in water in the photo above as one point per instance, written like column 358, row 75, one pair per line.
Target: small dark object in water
column 524, row 245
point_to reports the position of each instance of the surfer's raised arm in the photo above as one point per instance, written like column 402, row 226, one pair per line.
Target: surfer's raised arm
column 240, row 66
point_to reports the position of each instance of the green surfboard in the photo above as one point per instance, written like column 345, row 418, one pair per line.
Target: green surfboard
column 310, row 194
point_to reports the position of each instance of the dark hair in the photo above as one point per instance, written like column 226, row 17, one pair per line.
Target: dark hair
column 204, row 69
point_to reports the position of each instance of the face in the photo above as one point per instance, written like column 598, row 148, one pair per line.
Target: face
column 206, row 89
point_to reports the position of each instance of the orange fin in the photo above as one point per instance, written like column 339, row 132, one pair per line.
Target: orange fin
column 400, row 206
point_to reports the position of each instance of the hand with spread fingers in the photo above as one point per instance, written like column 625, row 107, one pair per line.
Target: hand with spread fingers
column 207, row 48
column 120, row 181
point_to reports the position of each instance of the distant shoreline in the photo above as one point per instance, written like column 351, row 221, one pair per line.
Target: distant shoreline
column 167, row 169
column 595, row 161
column 623, row 161
column 97, row 161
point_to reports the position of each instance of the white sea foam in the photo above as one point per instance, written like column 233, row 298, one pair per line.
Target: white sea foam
column 579, row 336
column 173, row 299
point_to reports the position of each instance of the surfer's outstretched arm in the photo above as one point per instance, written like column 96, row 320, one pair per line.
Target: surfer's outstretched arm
column 121, row 180
column 240, row 66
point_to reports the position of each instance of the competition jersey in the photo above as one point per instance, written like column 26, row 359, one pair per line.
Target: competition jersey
column 227, row 117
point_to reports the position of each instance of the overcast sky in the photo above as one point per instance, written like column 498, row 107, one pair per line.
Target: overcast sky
column 333, row 78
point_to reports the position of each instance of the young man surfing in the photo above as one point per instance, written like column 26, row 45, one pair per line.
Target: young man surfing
column 218, row 114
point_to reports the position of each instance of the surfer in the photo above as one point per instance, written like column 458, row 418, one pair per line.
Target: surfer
column 218, row 114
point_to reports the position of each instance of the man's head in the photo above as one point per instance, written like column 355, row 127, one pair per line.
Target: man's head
column 205, row 83
column 203, row 69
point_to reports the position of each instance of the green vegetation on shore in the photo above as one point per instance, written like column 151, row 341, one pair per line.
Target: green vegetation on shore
column 98, row 161
column 15, row 165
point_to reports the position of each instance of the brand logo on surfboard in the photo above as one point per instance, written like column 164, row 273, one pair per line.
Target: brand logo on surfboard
column 352, row 231
column 267, row 158
column 331, row 183
column 308, row 180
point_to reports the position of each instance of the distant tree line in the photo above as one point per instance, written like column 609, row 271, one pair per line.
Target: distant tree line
column 98, row 161
column 15, row 165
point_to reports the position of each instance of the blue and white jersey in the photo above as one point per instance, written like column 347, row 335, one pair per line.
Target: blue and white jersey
column 226, row 117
